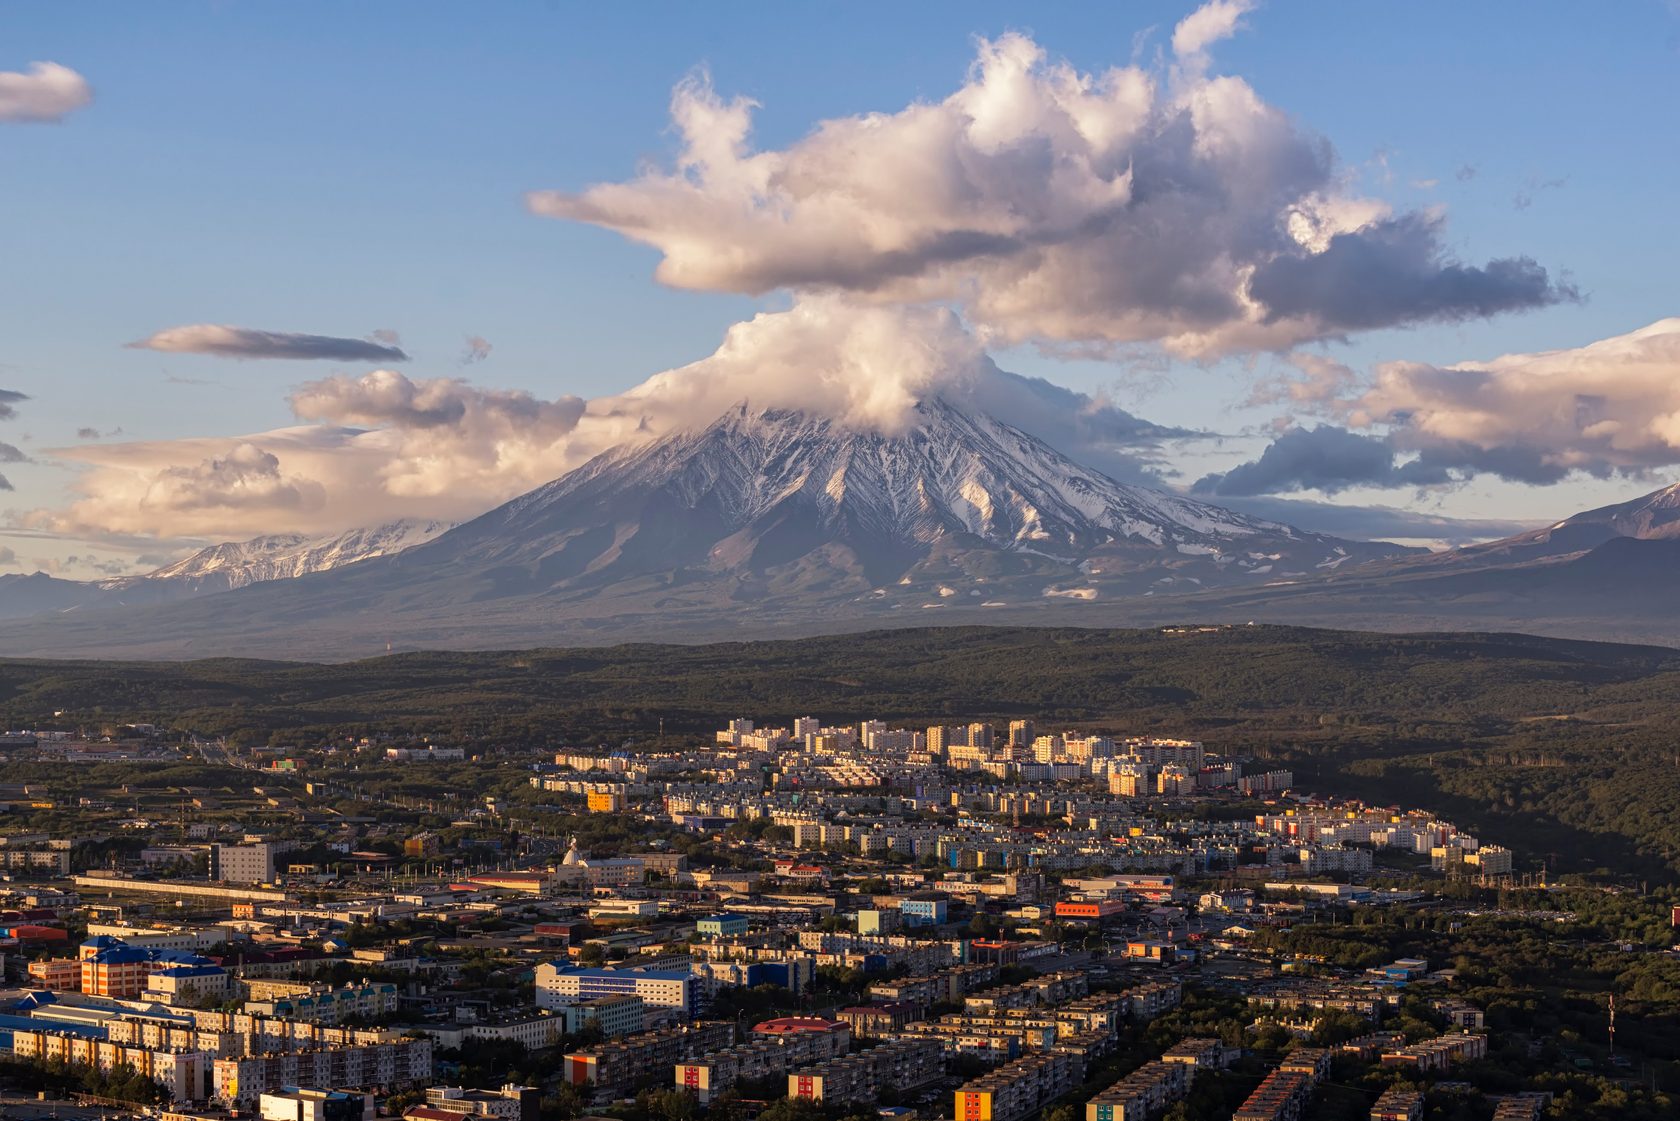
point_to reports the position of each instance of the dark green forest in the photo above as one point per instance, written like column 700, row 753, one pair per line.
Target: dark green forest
column 1564, row 750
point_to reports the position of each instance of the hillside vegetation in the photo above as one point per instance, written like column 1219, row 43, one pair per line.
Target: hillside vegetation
column 1563, row 749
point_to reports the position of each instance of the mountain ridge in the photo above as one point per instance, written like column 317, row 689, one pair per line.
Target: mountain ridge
column 770, row 523
column 778, row 517
column 225, row 566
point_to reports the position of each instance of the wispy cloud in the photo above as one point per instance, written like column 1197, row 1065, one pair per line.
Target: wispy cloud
column 246, row 343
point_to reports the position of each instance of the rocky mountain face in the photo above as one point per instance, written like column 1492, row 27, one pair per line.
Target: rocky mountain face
column 234, row 564
column 761, row 497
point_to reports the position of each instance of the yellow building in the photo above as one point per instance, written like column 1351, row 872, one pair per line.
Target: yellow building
column 605, row 801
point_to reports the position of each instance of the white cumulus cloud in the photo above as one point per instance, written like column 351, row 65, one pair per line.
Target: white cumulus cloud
column 1053, row 205
column 45, row 93
column 1611, row 407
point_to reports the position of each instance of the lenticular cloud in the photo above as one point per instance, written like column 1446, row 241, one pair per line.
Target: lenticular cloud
column 1127, row 206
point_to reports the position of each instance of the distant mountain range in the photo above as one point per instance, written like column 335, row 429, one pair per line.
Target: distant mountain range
column 772, row 522
column 218, row 568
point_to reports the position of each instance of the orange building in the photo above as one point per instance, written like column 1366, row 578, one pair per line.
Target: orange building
column 1102, row 909
column 58, row 974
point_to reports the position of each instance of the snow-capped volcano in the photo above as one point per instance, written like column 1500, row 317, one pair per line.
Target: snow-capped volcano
column 765, row 488
column 763, row 521
column 950, row 472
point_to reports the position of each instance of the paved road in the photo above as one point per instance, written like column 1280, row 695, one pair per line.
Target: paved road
column 25, row 1107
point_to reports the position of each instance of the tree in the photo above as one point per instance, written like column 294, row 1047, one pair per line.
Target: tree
column 669, row 1105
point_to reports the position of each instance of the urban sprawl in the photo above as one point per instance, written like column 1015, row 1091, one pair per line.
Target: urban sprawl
column 970, row 922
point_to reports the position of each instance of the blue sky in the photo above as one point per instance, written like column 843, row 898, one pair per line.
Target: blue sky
column 337, row 169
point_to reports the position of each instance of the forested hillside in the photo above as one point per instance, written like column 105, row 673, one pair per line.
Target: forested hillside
column 1565, row 749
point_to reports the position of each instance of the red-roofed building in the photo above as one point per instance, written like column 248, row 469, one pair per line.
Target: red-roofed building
column 796, row 1025
column 427, row 1113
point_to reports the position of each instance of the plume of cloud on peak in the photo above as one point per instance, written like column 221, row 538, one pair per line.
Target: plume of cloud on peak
column 862, row 365
column 223, row 341
column 1056, row 206
column 384, row 445
column 45, row 93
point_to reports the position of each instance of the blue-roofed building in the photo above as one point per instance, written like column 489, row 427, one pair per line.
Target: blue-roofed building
column 113, row 968
column 10, row 1023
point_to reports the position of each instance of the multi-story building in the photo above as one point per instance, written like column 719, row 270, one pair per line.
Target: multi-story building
column 41, row 862
column 190, row 986
column 770, row 1053
column 398, row 1065
column 372, row 1001
column 1398, row 1103
column 881, row 1021
column 721, row 926
column 1153, row 998
column 60, row 975
column 295, row 1104
column 560, row 984
column 510, row 1103
column 180, row 1073
column 899, row 1065
column 615, row 1015
column 1021, row 1088
column 115, row 969
column 1142, row 1093
column 243, row 864
column 1312, row 1061
column 185, row 938
column 639, row 1059
column 1198, row 1054
column 1097, row 1012
column 924, row 908
column 1439, row 1053
column 606, row 801
column 1048, row 989
column 1281, row 1096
